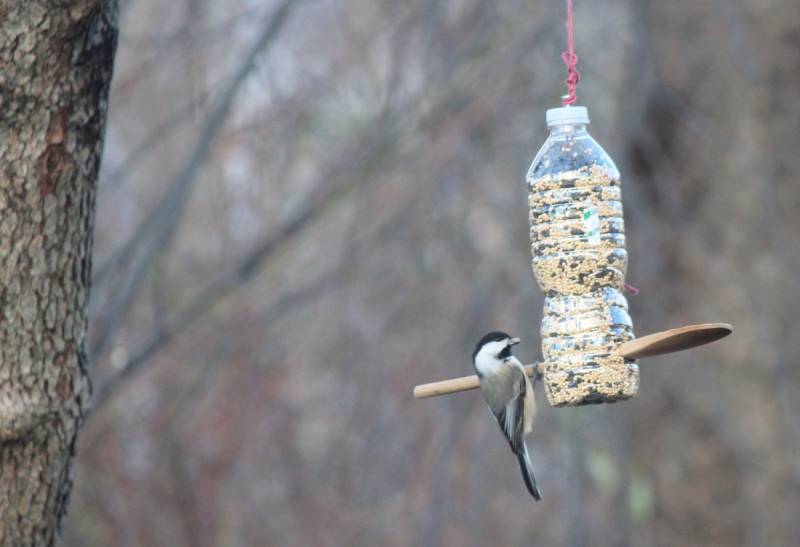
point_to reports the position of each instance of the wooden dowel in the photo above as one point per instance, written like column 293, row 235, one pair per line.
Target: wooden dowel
column 465, row 383
column 658, row 343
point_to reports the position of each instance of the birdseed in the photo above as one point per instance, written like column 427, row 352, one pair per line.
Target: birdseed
column 579, row 259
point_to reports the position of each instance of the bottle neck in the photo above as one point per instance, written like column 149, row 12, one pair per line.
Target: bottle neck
column 567, row 128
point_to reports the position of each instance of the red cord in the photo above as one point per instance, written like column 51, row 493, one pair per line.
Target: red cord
column 571, row 60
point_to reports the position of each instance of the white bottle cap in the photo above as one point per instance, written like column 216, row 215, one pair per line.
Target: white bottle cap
column 566, row 115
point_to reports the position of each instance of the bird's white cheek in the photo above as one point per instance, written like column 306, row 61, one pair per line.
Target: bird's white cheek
column 487, row 365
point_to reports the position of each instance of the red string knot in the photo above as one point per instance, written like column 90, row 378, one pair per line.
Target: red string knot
column 573, row 77
column 571, row 60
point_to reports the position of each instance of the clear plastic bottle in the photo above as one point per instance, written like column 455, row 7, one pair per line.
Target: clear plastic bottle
column 579, row 259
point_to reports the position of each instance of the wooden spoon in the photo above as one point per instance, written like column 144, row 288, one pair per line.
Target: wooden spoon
column 672, row 340
column 658, row 343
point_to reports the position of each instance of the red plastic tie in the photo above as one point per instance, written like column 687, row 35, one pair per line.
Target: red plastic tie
column 631, row 289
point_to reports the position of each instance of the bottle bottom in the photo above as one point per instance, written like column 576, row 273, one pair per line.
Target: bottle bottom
column 607, row 378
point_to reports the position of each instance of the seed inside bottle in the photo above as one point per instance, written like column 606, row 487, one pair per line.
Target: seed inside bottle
column 579, row 259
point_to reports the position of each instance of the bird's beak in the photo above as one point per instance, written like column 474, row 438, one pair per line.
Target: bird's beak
column 513, row 341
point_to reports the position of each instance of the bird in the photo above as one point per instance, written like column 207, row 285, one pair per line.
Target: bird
column 509, row 395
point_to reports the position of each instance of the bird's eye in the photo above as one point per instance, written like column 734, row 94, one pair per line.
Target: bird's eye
column 506, row 353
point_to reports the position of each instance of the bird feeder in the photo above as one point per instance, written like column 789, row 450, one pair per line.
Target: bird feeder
column 579, row 260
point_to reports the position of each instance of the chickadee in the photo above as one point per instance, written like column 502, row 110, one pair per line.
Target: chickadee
column 509, row 395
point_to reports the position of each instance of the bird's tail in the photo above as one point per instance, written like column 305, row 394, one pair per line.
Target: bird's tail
column 527, row 473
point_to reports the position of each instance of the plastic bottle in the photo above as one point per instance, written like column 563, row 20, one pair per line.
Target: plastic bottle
column 579, row 259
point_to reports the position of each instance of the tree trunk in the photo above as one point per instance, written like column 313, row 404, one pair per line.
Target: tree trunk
column 56, row 61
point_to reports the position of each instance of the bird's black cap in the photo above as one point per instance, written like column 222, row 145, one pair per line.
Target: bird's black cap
column 494, row 336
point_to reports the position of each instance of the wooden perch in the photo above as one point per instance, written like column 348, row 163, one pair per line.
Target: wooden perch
column 465, row 383
column 658, row 343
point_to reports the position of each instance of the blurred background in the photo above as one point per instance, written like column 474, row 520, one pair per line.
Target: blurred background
column 308, row 207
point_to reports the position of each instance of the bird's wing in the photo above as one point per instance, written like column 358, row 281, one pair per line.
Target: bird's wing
column 511, row 417
column 528, row 393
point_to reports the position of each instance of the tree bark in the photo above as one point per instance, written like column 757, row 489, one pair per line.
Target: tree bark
column 56, row 60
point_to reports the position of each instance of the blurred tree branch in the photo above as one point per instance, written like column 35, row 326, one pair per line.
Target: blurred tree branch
column 352, row 170
column 122, row 172
column 355, row 169
column 155, row 232
column 186, row 36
